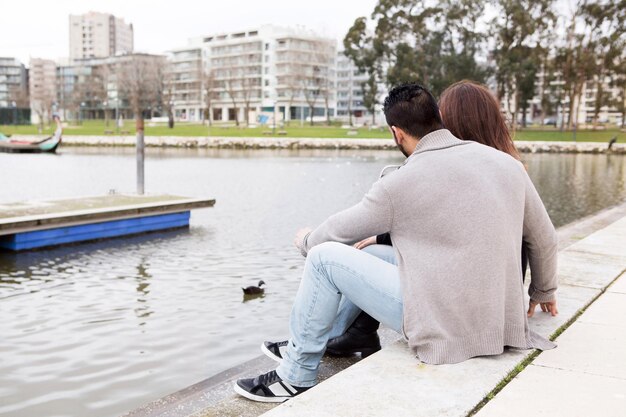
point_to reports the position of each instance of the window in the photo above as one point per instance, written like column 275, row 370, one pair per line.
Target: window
column 267, row 83
column 267, row 46
column 267, row 58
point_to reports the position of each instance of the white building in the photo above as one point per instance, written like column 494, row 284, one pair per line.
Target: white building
column 185, row 75
column 13, row 82
column 253, row 74
column 350, row 94
column 97, row 35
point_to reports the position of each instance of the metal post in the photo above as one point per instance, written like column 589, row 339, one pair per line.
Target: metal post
column 117, row 126
column 140, row 155
column 274, row 119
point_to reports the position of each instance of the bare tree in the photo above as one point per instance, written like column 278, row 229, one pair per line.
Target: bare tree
column 165, row 91
column 208, row 92
column 311, row 93
column 18, row 96
column 139, row 82
column 231, row 87
column 293, row 86
column 41, row 103
column 250, row 89
column 98, row 89
column 318, row 79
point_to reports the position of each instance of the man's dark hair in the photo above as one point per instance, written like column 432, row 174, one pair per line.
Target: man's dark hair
column 413, row 109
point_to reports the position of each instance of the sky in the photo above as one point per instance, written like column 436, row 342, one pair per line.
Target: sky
column 40, row 29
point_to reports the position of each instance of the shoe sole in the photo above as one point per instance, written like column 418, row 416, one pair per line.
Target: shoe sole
column 259, row 398
column 270, row 354
column 342, row 353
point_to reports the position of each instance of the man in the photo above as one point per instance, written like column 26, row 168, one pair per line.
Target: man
column 456, row 212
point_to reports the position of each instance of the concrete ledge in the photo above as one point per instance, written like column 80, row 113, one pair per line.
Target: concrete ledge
column 393, row 382
column 314, row 143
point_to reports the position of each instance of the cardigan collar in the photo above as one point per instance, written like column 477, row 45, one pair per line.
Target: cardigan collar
column 439, row 139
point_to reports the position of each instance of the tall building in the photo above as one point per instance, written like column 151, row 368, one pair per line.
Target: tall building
column 252, row 75
column 98, row 35
column 186, row 79
column 13, row 83
column 350, row 105
column 42, row 87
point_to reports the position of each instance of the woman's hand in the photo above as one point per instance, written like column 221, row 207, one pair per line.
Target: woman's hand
column 365, row 242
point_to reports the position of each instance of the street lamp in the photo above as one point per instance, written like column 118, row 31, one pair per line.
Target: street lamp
column 274, row 120
column 82, row 106
column 14, row 105
column 105, row 103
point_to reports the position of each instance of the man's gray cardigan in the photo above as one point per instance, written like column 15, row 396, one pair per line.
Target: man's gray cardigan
column 457, row 211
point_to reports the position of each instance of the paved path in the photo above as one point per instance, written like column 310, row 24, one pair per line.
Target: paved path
column 585, row 376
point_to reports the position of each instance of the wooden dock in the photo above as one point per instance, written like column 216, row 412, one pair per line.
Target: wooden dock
column 30, row 225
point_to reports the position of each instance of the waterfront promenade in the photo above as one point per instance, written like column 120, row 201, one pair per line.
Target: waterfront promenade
column 585, row 375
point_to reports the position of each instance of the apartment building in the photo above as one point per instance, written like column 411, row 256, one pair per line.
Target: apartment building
column 252, row 75
column 98, row 35
column 350, row 106
column 13, row 82
column 42, row 88
column 186, row 79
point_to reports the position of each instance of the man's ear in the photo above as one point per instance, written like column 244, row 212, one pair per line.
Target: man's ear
column 399, row 134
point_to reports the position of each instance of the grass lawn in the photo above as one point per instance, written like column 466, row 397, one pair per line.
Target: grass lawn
column 97, row 127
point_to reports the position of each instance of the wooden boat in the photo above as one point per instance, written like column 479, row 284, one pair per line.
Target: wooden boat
column 47, row 145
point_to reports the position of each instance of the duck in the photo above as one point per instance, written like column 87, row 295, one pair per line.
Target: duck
column 254, row 290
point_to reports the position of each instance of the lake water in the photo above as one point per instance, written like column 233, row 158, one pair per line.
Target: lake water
column 100, row 328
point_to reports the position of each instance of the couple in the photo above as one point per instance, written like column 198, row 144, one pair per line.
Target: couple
column 458, row 213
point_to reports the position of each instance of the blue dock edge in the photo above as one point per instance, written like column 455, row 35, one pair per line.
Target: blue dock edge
column 106, row 229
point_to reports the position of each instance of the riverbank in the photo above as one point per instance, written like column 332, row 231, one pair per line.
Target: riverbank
column 314, row 143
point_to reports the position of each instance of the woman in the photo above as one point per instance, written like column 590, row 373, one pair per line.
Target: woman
column 471, row 112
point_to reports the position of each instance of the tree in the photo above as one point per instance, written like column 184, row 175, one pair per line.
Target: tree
column 519, row 28
column 311, row 92
column 415, row 40
column 605, row 26
column 370, row 96
column 139, row 82
column 208, row 90
column 250, row 89
column 575, row 61
column 293, row 86
column 230, row 85
column 166, row 90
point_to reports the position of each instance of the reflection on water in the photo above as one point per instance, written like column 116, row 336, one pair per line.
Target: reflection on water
column 100, row 328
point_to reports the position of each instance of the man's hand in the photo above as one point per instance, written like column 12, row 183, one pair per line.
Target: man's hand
column 365, row 242
column 549, row 307
column 300, row 235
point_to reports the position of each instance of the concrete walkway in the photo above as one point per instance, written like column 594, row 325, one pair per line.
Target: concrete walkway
column 585, row 376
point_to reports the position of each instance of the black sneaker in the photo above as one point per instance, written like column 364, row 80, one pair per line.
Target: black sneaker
column 267, row 388
column 274, row 350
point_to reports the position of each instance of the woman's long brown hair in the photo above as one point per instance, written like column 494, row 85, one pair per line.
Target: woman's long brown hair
column 471, row 112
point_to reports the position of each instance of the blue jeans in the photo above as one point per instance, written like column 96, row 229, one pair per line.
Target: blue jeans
column 338, row 282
